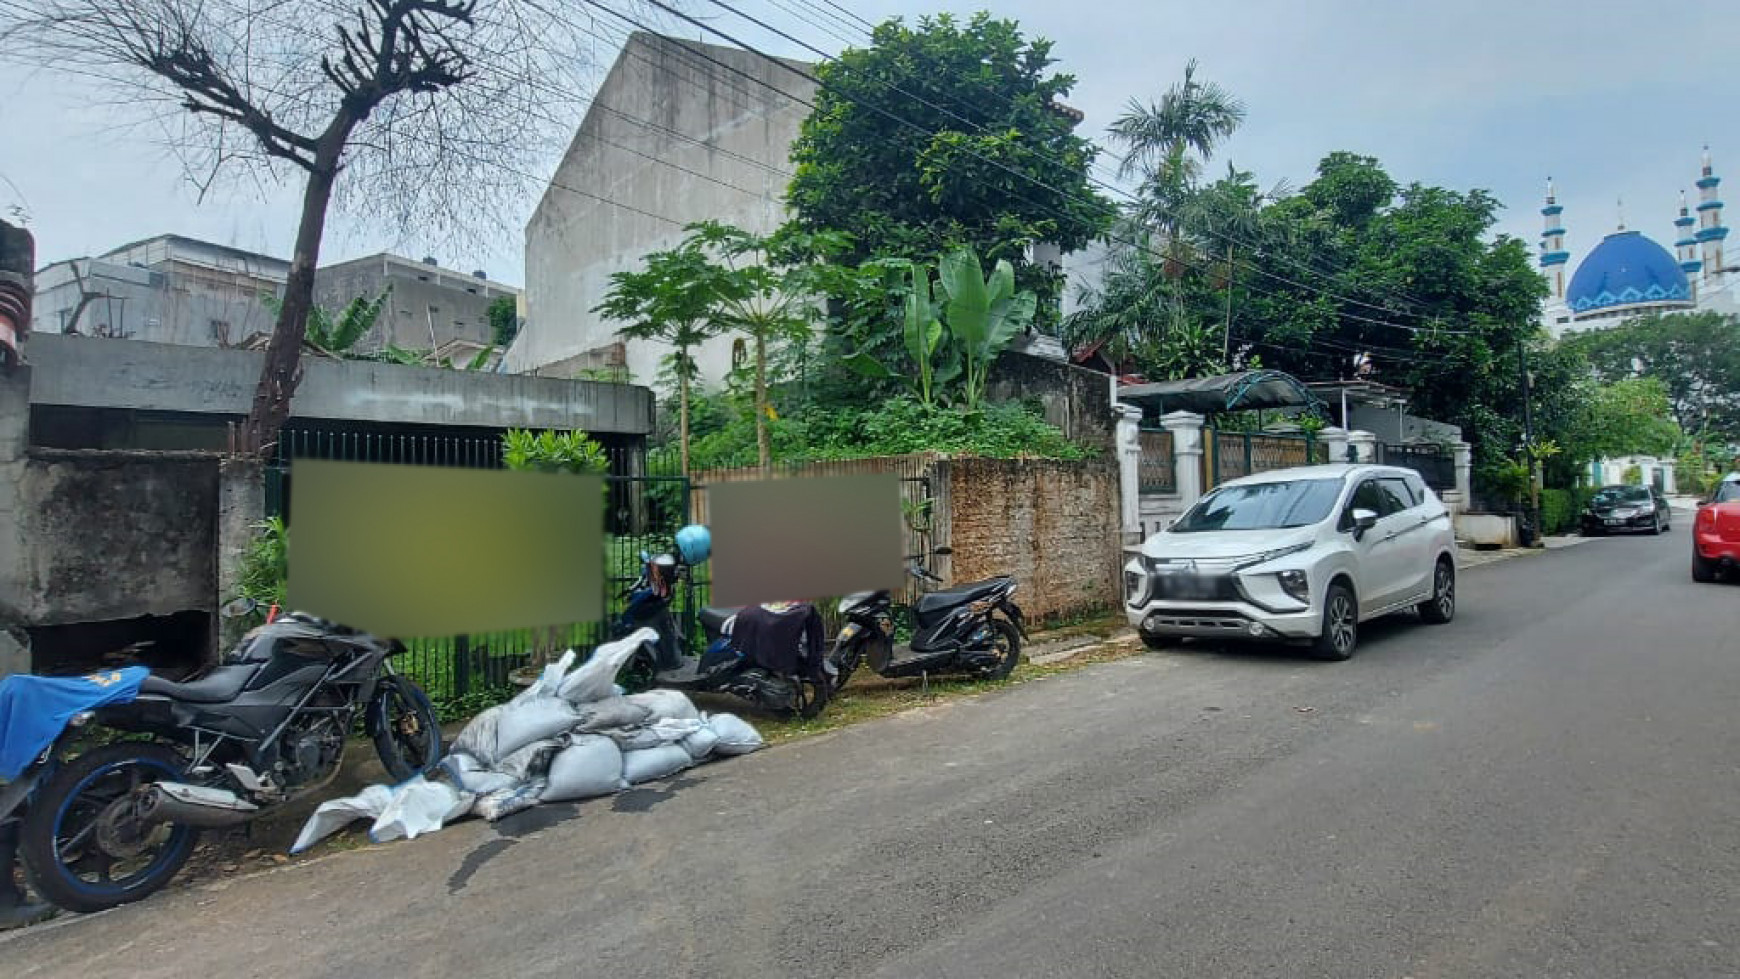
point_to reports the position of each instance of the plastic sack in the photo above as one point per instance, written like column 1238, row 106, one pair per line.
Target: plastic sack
column 505, row 729
column 469, row 774
column 596, row 678
column 736, row 736
column 650, row 764
column 418, row 807
column 610, row 712
column 633, row 738
column 673, row 729
column 665, row 704
column 591, row 766
column 506, row 802
column 548, row 681
column 701, row 744
column 336, row 814
column 530, row 762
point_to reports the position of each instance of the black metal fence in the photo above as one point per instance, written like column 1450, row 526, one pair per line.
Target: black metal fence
column 646, row 508
column 1435, row 463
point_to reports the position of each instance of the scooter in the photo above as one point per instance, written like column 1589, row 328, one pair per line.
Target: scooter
column 721, row 667
column 976, row 629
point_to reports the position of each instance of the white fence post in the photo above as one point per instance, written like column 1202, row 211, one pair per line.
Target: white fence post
column 1335, row 439
column 1364, row 445
column 1186, row 429
column 1129, row 442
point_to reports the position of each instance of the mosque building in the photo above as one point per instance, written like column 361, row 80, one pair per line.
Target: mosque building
column 1628, row 274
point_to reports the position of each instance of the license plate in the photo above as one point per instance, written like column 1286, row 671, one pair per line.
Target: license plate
column 1611, row 522
column 1190, row 587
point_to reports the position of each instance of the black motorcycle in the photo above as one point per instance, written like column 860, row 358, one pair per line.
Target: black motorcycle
column 721, row 666
column 973, row 629
column 266, row 727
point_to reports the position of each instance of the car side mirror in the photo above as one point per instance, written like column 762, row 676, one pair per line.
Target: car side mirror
column 1363, row 520
column 236, row 608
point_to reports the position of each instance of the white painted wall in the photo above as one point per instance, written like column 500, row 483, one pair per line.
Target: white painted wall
column 574, row 242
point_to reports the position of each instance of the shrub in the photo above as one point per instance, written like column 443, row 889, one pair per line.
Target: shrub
column 266, row 564
column 1558, row 510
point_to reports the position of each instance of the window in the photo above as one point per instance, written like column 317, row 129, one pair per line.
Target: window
column 1262, row 506
column 1396, row 495
column 1367, row 497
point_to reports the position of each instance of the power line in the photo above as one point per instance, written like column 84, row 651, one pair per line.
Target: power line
column 1223, row 236
column 908, row 123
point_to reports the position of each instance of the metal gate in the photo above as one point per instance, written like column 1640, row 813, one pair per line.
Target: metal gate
column 1434, row 463
column 644, row 513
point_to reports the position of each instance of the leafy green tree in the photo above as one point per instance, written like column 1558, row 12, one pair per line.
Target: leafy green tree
column 947, row 134
column 670, row 299
column 1695, row 356
column 504, row 320
column 985, row 313
column 1168, row 141
column 1628, row 417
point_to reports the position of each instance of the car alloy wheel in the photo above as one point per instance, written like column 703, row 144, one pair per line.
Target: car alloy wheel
column 1343, row 630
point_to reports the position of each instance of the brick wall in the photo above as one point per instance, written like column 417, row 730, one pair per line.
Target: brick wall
column 1052, row 525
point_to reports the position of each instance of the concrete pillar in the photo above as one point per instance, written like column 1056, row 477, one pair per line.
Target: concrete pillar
column 1670, row 485
column 1335, row 439
column 1129, row 443
column 241, row 505
column 1186, row 429
column 1463, row 455
column 1364, row 446
column 14, row 442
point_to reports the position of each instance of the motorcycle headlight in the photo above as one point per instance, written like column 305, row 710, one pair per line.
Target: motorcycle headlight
column 1297, row 585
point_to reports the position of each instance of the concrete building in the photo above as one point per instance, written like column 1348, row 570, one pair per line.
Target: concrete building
column 167, row 289
column 670, row 138
column 432, row 308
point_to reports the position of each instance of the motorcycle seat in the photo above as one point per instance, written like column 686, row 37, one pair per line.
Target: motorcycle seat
column 714, row 619
column 218, row 686
column 937, row 601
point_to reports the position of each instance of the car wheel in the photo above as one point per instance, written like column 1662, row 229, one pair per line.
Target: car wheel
column 1659, row 527
column 1703, row 569
column 1340, row 632
column 1441, row 607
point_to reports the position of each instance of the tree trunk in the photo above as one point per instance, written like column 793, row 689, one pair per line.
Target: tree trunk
column 763, row 447
column 683, row 408
column 280, row 374
column 1226, row 339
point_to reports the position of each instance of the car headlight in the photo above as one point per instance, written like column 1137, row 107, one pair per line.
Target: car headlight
column 1135, row 585
column 1276, row 554
column 1297, row 585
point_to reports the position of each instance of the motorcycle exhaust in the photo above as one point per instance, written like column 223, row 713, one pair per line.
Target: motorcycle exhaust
column 195, row 805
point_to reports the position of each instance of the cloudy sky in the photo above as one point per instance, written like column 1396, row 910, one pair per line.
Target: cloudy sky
column 1613, row 98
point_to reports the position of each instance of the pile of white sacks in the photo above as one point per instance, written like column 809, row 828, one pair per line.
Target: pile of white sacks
column 571, row 735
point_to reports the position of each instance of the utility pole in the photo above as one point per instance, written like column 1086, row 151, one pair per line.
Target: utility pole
column 1522, row 357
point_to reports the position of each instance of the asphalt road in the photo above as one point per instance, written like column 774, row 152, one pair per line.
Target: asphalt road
column 1547, row 787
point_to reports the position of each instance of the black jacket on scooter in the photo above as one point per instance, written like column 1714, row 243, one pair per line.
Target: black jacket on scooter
column 786, row 638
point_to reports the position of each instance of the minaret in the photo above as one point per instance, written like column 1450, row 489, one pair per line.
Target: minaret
column 1553, row 253
column 1687, row 245
column 1710, row 229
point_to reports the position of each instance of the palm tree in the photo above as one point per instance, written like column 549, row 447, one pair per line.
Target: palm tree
column 1220, row 218
column 1191, row 117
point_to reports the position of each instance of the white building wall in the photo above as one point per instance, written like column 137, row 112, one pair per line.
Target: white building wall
column 574, row 241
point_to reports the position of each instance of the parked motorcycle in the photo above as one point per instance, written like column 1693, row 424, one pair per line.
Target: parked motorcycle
column 720, row 667
column 974, row 629
column 265, row 727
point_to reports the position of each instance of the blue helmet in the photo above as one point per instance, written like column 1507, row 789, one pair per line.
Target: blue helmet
column 695, row 544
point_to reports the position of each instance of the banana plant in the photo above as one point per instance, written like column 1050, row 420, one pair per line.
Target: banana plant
column 984, row 314
column 925, row 338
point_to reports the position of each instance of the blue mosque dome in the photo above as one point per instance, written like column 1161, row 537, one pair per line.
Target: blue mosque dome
column 1627, row 269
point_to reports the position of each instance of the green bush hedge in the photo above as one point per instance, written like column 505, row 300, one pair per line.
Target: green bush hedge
column 1558, row 511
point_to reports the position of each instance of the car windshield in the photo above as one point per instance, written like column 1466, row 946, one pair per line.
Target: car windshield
column 1728, row 492
column 1612, row 495
column 1263, row 506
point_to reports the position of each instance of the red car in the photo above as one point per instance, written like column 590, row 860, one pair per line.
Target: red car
column 1716, row 532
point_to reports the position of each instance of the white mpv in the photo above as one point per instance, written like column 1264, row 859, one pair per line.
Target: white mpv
column 1302, row 555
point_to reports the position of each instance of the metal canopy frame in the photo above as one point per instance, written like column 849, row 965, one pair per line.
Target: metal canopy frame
column 1262, row 390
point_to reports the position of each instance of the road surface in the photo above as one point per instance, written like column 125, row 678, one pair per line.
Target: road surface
column 1547, row 787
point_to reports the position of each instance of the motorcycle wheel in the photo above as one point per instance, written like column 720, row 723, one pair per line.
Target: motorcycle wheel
column 83, row 849
column 811, row 696
column 846, row 665
column 407, row 731
column 1008, row 640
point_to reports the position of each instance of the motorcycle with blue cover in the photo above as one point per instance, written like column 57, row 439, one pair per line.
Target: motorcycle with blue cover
column 720, row 666
column 106, row 824
column 974, row 629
